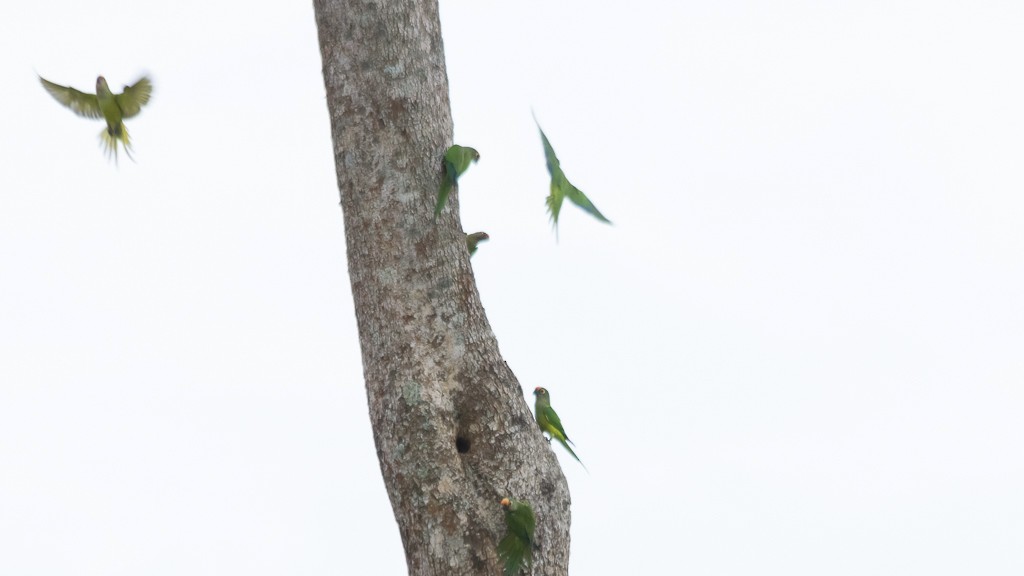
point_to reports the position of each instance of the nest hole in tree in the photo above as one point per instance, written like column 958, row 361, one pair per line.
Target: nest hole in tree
column 462, row 444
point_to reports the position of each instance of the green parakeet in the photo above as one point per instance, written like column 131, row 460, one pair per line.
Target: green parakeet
column 114, row 108
column 561, row 188
column 456, row 161
column 516, row 549
column 548, row 420
column 475, row 238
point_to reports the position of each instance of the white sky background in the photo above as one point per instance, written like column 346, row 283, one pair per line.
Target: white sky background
column 797, row 351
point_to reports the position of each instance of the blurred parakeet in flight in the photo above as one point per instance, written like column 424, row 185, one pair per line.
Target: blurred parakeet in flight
column 516, row 548
column 561, row 188
column 456, row 161
column 549, row 422
column 475, row 238
column 114, row 108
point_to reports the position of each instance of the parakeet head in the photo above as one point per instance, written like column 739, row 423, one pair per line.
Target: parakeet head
column 101, row 82
column 505, row 502
column 538, row 391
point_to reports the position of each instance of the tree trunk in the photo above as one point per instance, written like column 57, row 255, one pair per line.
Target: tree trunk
column 453, row 432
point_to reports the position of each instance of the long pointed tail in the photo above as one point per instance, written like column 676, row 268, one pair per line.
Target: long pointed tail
column 109, row 142
column 566, row 445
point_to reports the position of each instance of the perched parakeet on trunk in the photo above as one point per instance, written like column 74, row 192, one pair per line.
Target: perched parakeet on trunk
column 113, row 108
column 561, row 188
column 549, row 422
column 456, row 161
column 516, row 548
column 475, row 238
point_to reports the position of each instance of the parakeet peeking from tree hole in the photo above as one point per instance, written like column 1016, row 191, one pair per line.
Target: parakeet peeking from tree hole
column 475, row 238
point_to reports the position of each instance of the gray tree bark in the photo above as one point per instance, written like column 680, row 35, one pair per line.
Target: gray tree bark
column 453, row 432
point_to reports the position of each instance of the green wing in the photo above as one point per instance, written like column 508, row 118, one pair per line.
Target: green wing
column 516, row 549
column 550, row 423
column 521, row 520
column 554, row 424
column 580, row 199
column 561, row 188
column 447, row 182
column 514, row 553
column 134, row 97
column 456, row 161
column 79, row 102
column 554, row 199
column 460, row 158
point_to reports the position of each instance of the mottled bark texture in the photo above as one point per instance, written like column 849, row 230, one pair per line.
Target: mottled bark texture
column 453, row 432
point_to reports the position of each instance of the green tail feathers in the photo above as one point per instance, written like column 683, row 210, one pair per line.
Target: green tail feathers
column 515, row 553
column 565, row 443
column 109, row 142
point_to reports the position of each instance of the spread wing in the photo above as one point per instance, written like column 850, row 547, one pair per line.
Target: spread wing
column 561, row 188
column 79, row 102
column 134, row 97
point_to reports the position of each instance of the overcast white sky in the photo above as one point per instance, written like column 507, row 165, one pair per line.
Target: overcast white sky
column 798, row 351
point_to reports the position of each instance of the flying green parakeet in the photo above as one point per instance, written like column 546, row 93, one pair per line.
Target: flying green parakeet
column 475, row 238
column 549, row 422
column 561, row 188
column 516, row 549
column 456, row 161
column 114, row 108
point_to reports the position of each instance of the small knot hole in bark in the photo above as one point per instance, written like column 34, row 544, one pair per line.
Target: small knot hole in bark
column 462, row 444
